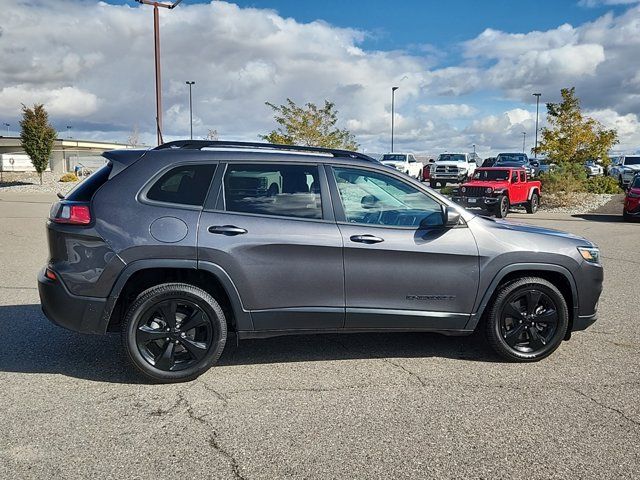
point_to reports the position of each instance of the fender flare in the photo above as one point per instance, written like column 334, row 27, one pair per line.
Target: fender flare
column 242, row 316
column 533, row 190
column 516, row 267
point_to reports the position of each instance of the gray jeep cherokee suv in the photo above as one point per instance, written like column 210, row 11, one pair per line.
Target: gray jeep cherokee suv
column 180, row 246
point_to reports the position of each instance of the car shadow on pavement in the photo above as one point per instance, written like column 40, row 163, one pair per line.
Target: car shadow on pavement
column 33, row 345
column 600, row 217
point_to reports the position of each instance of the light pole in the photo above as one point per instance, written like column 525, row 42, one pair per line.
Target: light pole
column 474, row 150
column 69, row 131
column 190, row 108
column 524, row 139
column 7, row 125
column 156, row 43
column 393, row 112
column 535, row 150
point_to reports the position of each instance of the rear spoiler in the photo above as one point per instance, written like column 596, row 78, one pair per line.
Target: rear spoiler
column 121, row 159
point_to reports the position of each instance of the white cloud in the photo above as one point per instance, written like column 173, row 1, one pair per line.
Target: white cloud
column 92, row 64
column 598, row 3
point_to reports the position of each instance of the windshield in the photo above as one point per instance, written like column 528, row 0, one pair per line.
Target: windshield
column 632, row 160
column 636, row 182
column 451, row 157
column 511, row 158
column 491, row 175
column 394, row 157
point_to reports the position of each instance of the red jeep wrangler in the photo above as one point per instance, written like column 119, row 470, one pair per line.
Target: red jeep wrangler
column 495, row 189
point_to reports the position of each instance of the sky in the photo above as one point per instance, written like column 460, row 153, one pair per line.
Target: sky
column 465, row 69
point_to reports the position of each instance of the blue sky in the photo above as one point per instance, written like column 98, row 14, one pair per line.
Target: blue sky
column 466, row 69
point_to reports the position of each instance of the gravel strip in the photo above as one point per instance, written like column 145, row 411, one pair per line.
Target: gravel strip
column 581, row 203
column 29, row 182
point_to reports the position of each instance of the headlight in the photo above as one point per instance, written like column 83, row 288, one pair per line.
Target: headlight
column 590, row 254
column 463, row 189
column 489, row 190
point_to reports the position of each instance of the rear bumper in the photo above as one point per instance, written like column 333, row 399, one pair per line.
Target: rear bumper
column 80, row 314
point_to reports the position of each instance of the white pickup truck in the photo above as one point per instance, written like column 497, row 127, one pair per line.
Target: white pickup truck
column 452, row 167
column 405, row 162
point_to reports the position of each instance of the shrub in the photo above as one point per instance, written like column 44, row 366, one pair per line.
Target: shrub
column 602, row 185
column 567, row 178
column 69, row 177
column 446, row 191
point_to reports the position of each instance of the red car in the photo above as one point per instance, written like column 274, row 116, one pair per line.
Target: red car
column 495, row 189
column 632, row 200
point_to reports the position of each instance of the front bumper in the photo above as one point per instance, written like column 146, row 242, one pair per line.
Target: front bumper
column 449, row 176
column 73, row 312
column 469, row 202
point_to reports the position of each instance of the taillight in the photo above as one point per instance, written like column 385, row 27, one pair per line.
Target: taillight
column 73, row 214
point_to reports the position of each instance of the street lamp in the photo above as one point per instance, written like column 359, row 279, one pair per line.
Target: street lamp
column 7, row 125
column 190, row 107
column 69, row 131
column 524, row 139
column 474, row 150
column 393, row 97
column 537, row 95
column 156, row 43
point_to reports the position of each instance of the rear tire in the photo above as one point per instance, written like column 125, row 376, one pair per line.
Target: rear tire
column 174, row 332
column 533, row 203
column 528, row 320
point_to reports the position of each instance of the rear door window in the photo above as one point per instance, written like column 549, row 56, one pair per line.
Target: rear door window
column 183, row 185
column 84, row 191
column 273, row 189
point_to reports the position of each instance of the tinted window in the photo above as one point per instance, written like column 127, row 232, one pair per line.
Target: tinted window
column 491, row 175
column 273, row 189
column 85, row 189
column 187, row 185
column 632, row 161
column 451, row 157
column 396, row 157
column 376, row 198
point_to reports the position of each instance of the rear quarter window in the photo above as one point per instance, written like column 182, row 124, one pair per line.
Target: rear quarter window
column 183, row 185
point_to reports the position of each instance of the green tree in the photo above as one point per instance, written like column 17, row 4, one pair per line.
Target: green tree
column 572, row 137
column 309, row 125
column 37, row 136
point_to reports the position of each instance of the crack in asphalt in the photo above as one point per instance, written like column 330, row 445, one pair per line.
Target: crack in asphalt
column 406, row 370
column 213, row 441
column 613, row 409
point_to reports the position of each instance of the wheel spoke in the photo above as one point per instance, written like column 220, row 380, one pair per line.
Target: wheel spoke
column 196, row 319
column 196, row 349
column 147, row 334
column 536, row 340
column 513, row 311
column 533, row 299
column 168, row 311
column 165, row 361
column 513, row 336
column 548, row 316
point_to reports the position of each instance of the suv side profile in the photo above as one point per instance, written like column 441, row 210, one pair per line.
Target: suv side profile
column 179, row 247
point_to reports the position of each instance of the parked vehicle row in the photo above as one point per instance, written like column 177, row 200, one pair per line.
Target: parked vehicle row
column 178, row 246
column 623, row 169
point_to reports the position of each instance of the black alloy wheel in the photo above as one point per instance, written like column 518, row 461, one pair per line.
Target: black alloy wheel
column 528, row 320
column 174, row 332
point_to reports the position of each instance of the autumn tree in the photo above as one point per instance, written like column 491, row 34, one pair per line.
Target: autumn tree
column 37, row 136
column 309, row 125
column 572, row 137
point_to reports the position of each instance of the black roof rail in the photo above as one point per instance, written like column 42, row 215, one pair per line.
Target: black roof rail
column 200, row 144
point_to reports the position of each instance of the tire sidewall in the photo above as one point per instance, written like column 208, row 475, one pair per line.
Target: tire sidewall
column 161, row 293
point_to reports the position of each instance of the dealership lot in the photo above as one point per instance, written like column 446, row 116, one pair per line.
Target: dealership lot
column 376, row 405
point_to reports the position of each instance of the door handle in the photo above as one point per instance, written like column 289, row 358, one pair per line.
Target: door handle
column 228, row 230
column 366, row 239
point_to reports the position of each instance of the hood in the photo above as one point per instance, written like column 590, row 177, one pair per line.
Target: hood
column 393, row 163
column 449, row 163
column 632, row 167
column 507, row 225
column 495, row 185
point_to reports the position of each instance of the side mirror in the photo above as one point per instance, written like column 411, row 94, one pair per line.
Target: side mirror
column 368, row 201
column 451, row 217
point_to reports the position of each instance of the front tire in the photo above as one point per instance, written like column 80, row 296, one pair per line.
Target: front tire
column 433, row 184
column 502, row 208
column 533, row 203
column 174, row 332
column 528, row 320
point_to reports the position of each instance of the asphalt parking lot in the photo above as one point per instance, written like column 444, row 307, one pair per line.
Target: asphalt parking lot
column 352, row 406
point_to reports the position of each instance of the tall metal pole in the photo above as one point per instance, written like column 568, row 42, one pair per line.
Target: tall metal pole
column 156, row 43
column 393, row 112
column 537, row 95
column 7, row 125
column 156, row 38
column 190, row 108
column 524, row 138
